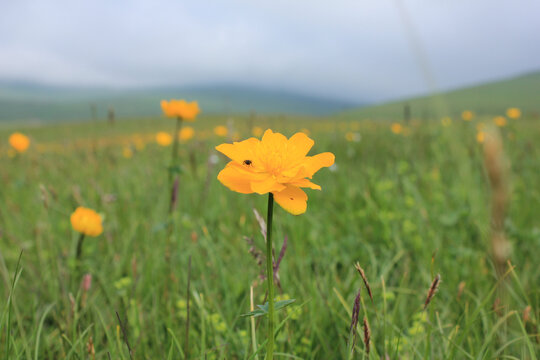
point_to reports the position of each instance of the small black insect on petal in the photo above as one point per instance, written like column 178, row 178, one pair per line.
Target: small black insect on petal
column 247, row 162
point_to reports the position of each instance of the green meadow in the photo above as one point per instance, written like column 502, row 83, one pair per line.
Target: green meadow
column 405, row 207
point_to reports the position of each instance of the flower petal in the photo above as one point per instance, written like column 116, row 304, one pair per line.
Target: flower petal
column 305, row 183
column 236, row 179
column 292, row 199
column 265, row 186
column 239, row 151
column 298, row 147
column 274, row 140
column 315, row 163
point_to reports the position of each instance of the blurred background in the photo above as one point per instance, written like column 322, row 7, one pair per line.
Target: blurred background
column 73, row 60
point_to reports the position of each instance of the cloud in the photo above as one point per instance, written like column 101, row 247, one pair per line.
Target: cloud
column 354, row 50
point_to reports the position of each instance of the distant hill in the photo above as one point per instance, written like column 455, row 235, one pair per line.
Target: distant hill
column 487, row 99
column 38, row 102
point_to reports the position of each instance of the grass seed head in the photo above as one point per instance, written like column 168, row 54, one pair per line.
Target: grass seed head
column 364, row 278
column 432, row 290
column 527, row 314
column 355, row 311
column 461, row 287
column 367, row 334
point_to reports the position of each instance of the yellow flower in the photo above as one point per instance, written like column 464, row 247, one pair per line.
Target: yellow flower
column 480, row 136
column 500, row 121
column 396, row 128
column 305, row 131
column 163, row 138
column 467, row 115
column 127, row 152
column 186, row 133
column 274, row 165
column 19, row 142
column 180, row 109
column 352, row 136
column 257, row 131
column 513, row 113
column 221, row 130
column 86, row 221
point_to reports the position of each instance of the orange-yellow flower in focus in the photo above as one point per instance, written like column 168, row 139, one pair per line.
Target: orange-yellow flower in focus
column 186, row 133
column 180, row 109
column 163, row 138
column 19, row 142
column 513, row 113
column 467, row 115
column 500, row 121
column 86, row 221
column 396, row 128
column 221, row 130
column 274, row 165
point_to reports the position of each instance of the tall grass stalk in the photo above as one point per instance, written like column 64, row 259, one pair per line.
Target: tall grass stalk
column 10, row 302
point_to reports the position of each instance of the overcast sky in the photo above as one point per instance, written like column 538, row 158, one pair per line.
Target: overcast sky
column 353, row 50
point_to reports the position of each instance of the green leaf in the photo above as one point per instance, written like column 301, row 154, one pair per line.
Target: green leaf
column 263, row 309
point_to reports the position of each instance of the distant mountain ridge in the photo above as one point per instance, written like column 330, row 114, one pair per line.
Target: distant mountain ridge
column 32, row 101
column 492, row 98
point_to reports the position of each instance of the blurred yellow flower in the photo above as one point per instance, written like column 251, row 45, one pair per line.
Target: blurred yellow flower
column 446, row 121
column 513, row 113
column 500, row 121
column 480, row 136
column 274, row 165
column 396, row 128
column 163, row 138
column 127, row 152
column 186, row 133
column 467, row 115
column 257, row 131
column 221, row 130
column 86, row 221
column 352, row 136
column 180, row 109
column 19, row 142
column 305, row 131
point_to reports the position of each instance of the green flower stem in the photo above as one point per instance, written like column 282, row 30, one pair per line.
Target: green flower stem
column 78, row 254
column 270, row 278
column 174, row 157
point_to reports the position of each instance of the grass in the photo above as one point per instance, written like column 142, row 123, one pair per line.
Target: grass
column 406, row 207
column 489, row 99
